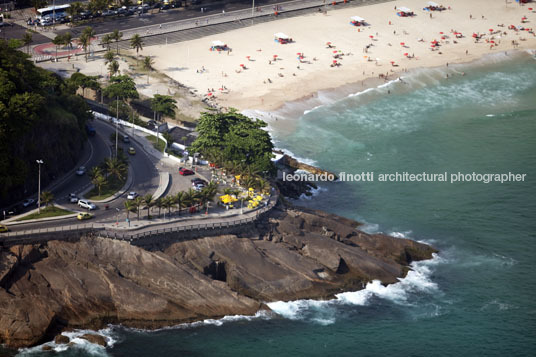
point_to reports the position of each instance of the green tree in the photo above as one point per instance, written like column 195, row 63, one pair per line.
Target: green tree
column 67, row 40
column 74, row 10
column 47, row 198
column 138, row 202
column 106, row 40
column 116, row 36
column 109, row 56
column 121, row 87
column 148, row 202
column 159, row 203
column 27, row 40
column 113, row 67
column 57, row 41
column 178, row 200
column 163, row 105
column 148, row 66
column 85, row 38
column 235, row 138
column 115, row 168
column 94, row 172
column 136, row 42
column 130, row 206
column 98, row 182
column 80, row 80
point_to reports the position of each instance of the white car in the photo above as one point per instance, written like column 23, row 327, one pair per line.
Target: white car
column 73, row 198
column 81, row 170
column 132, row 195
column 86, row 204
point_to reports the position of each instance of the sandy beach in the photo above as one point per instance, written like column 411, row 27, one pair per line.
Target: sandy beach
column 388, row 45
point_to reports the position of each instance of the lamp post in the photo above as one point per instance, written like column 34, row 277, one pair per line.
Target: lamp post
column 39, row 162
column 116, row 126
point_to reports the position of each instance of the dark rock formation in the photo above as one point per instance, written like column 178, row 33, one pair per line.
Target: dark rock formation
column 96, row 339
column 290, row 254
column 59, row 339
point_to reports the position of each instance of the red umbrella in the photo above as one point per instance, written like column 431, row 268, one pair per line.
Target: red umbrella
column 241, row 65
column 328, row 43
column 299, row 53
column 402, row 43
column 405, row 54
column 392, row 62
column 371, row 36
column 334, row 61
column 530, row 8
column 490, row 30
column 248, row 57
column 335, row 51
column 441, row 33
column 492, row 41
column 475, row 35
column 209, row 94
column 432, row 45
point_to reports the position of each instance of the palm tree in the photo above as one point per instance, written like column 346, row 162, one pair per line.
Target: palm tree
column 169, row 203
column 98, row 181
column 46, row 198
column 147, row 65
column 58, row 40
column 74, row 10
column 115, row 168
column 206, row 195
column 26, row 40
column 148, row 201
column 138, row 202
column 67, row 40
column 85, row 41
column 136, row 42
column 106, row 40
column 109, row 57
column 159, row 203
column 163, row 105
column 190, row 198
column 178, row 199
column 116, row 36
column 129, row 206
column 95, row 171
column 113, row 67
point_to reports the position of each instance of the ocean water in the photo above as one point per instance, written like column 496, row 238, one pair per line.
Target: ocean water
column 477, row 296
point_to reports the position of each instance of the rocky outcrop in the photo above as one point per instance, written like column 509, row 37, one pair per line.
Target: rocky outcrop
column 96, row 339
column 290, row 254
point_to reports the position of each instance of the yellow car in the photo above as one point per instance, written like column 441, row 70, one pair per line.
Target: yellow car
column 3, row 228
column 131, row 151
column 83, row 216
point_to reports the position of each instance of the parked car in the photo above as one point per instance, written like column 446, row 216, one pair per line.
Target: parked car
column 126, row 139
column 73, row 198
column 28, row 202
column 3, row 228
column 83, row 216
column 185, row 172
column 132, row 195
column 81, row 171
column 198, row 180
column 131, row 151
column 86, row 204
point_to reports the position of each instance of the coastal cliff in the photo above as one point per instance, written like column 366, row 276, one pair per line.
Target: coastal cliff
column 291, row 254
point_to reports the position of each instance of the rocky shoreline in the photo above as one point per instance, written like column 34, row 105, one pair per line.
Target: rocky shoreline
column 292, row 253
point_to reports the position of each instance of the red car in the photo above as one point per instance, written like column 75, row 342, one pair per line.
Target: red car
column 185, row 172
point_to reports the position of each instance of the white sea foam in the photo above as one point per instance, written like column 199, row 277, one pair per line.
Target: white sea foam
column 405, row 234
column 416, row 281
column 77, row 342
column 300, row 159
column 314, row 192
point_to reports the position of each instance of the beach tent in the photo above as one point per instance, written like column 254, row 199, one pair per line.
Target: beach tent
column 218, row 46
column 357, row 21
column 282, row 38
column 404, row 11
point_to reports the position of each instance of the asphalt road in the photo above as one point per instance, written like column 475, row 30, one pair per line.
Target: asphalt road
column 145, row 179
column 109, row 24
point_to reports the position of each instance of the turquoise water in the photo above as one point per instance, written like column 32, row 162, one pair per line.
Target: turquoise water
column 477, row 297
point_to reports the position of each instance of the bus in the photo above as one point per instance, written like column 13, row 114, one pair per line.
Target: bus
column 59, row 12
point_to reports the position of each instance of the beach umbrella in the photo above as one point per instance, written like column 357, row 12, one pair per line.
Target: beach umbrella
column 432, row 46
column 334, row 61
column 405, row 54
column 530, row 8
column 371, row 36
column 392, row 62
column 402, row 43
column 248, row 57
column 490, row 30
column 475, row 35
column 299, row 53
column 275, row 56
column 335, row 51
column 241, row 65
column 492, row 41
column 209, row 94
column 441, row 33
column 328, row 43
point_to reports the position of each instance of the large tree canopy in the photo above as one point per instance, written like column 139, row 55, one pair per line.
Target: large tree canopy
column 233, row 137
column 39, row 119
